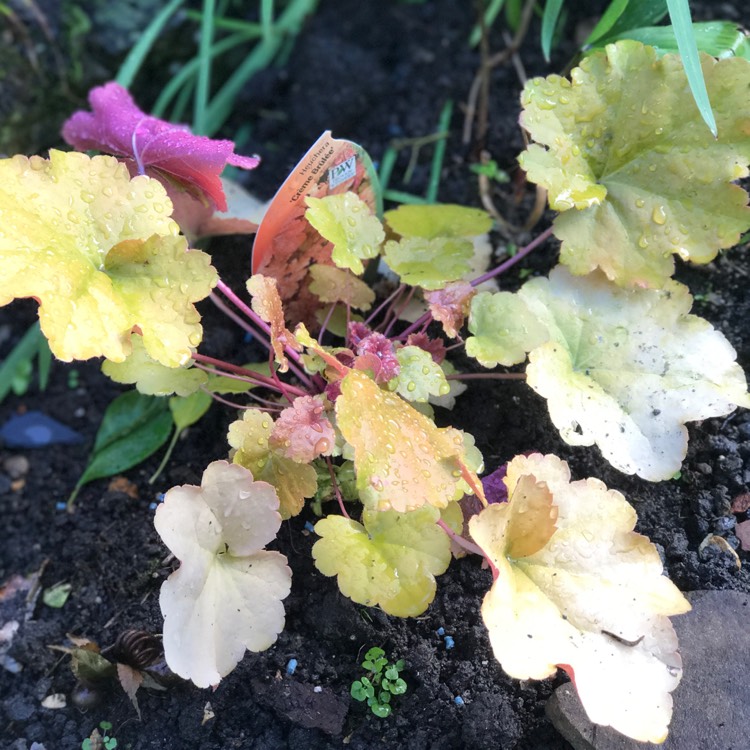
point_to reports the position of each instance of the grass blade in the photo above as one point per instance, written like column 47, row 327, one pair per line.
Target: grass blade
column 607, row 21
column 23, row 351
column 439, row 154
column 551, row 15
column 679, row 13
column 203, row 83
column 132, row 63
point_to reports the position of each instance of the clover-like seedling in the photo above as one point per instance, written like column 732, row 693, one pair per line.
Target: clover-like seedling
column 380, row 684
column 100, row 740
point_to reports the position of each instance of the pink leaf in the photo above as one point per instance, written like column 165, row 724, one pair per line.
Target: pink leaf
column 450, row 305
column 302, row 432
column 375, row 352
column 160, row 149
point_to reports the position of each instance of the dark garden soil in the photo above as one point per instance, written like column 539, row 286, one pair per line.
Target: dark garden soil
column 369, row 72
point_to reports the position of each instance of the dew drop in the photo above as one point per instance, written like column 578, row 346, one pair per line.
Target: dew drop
column 323, row 445
column 659, row 215
column 87, row 197
column 643, row 242
column 411, row 387
column 639, row 203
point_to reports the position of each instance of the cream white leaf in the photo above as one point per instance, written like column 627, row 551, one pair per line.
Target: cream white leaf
column 226, row 596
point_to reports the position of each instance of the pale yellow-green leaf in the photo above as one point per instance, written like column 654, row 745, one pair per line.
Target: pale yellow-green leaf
column 346, row 221
column 626, row 369
column 588, row 596
column 419, row 376
column 441, row 220
column 331, row 284
column 429, row 263
column 402, row 459
column 99, row 252
column 627, row 159
column 151, row 377
column 390, row 560
column 293, row 482
column 503, row 329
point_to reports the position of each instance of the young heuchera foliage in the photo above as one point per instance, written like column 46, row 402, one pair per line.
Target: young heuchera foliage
column 303, row 431
column 226, row 596
column 625, row 369
column 330, row 284
column 151, row 146
column 267, row 303
column 151, row 377
column 250, row 439
column 402, row 460
column 346, row 221
column 389, row 560
column 99, row 252
column 576, row 587
column 629, row 163
column 436, row 245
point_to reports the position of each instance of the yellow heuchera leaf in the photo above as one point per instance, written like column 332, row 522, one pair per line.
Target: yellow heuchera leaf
column 402, row 460
column 267, row 304
column 390, row 561
column 152, row 378
column 627, row 159
column 576, row 587
column 346, row 221
column 331, row 284
column 99, row 252
column 293, row 481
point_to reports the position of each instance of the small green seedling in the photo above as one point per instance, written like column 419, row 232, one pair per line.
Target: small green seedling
column 380, row 684
column 99, row 740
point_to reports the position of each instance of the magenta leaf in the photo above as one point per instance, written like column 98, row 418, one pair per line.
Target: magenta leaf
column 169, row 152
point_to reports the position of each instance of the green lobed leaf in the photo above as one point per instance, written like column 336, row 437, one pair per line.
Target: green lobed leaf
column 187, row 410
column 438, row 220
column 625, row 146
column 389, row 560
column 419, row 376
column 346, row 221
column 133, row 428
column 429, row 263
column 152, row 378
column 503, row 329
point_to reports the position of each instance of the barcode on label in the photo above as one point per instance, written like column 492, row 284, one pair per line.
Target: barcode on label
column 342, row 172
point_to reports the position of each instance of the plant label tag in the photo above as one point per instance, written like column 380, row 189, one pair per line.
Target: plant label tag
column 286, row 245
column 339, row 173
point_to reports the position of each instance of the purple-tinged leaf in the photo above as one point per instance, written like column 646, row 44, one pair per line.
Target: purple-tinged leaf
column 151, row 146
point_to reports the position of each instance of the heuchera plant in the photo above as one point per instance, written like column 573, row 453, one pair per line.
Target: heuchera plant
column 635, row 176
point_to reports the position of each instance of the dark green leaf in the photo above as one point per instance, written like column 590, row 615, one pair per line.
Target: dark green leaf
column 21, row 356
column 134, row 427
column 391, row 673
column 639, row 13
column 607, row 21
column 550, row 18
column 716, row 38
